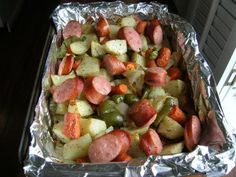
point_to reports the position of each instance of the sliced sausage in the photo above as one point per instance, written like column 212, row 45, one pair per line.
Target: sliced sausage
column 72, row 28
column 151, row 120
column 66, row 65
column 151, row 63
column 154, row 32
column 59, row 38
column 132, row 37
column 113, row 65
column 155, row 76
column 69, row 89
column 192, row 132
column 163, row 57
column 124, row 157
column 212, row 136
column 150, row 143
column 124, row 139
column 102, row 27
column 140, row 28
column 71, row 126
column 142, row 113
column 96, row 89
column 104, row 149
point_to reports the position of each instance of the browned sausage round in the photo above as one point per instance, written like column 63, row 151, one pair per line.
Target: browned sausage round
column 59, row 38
column 132, row 37
column 96, row 89
column 69, row 89
column 104, row 149
column 142, row 113
column 150, row 143
column 192, row 132
column 72, row 28
column 103, row 28
column 155, row 76
column 113, row 65
column 154, row 32
column 124, row 139
column 163, row 57
column 150, row 63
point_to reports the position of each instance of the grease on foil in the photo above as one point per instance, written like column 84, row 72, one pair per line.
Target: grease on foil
column 41, row 159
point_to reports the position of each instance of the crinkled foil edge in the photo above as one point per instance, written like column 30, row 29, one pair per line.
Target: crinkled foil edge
column 40, row 160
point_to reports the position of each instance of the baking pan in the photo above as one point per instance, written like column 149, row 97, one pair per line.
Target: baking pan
column 26, row 137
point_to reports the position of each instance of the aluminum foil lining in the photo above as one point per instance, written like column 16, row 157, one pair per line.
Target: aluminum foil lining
column 41, row 159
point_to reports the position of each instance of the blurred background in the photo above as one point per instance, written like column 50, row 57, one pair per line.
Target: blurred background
column 24, row 26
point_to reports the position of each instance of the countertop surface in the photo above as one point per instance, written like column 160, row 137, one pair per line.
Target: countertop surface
column 21, row 50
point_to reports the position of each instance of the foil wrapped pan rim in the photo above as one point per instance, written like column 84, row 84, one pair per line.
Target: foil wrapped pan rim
column 40, row 161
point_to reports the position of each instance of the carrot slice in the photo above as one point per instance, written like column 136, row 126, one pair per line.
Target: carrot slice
column 82, row 160
column 163, row 57
column 66, row 65
column 119, row 89
column 140, row 28
column 71, row 125
column 177, row 114
column 103, row 39
column 174, row 73
column 130, row 65
column 76, row 64
column 123, row 157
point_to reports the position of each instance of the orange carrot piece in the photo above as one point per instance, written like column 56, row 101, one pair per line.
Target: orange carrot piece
column 72, row 125
column 119, row 89
column 123, row 157
column 177, row 114
column 130, row 65
column 174, row 73
column 103, row 39
column 82, row 160
column 66, row 65
column 163, row 57
column 140, row 28
column 76, row 64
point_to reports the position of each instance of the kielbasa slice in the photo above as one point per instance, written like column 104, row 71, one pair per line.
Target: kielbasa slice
column 102, row 27
column 154, row 32
column 132, row 37
column 72, row 28
column 113, row 65
column 69, row 89
column 124, row 139
column 155, row 76
column 163, row 57
column 192, row 132
column 142, row 113
column 150, row 143
column 97, row 88
column 104, row 149
column 151, row 63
